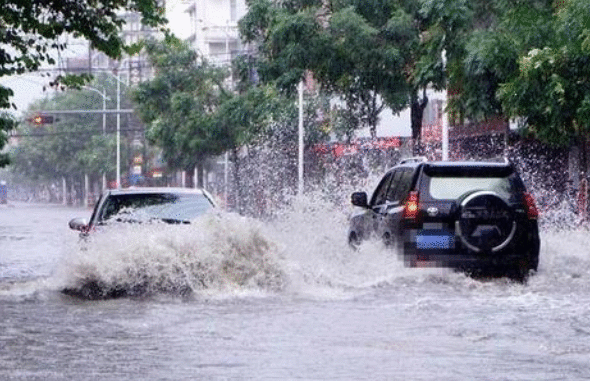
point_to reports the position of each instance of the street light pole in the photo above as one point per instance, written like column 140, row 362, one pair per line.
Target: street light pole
column 300, row 133
column 118, row 112
column 104, row 132
column 118, row 131
column 445, row 117
column 104, row 96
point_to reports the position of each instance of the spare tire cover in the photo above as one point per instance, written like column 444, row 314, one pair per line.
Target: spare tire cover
column 486, row 223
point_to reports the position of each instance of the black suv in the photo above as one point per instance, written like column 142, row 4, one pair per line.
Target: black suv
column 474, row 216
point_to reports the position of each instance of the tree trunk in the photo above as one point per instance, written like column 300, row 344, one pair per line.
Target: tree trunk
column 373, row 115
column 188, row 177
column 416, row 114
column 237, row 194
column 584, row 158
column 200, row 171
column 64, row 189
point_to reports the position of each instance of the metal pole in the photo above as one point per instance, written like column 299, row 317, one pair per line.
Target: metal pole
column 118, row 131
column 445, row 117
column 225, row 178
column 104, row 114
column 300, row 169
column 103, row 94
column 64, row 189
column 104, row 131
column 86, row 190
column 445, row 133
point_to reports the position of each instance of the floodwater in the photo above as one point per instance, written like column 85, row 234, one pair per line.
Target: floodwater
column 234, row 298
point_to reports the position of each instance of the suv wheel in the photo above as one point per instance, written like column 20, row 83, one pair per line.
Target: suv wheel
column 486, row 223
column 520, row 270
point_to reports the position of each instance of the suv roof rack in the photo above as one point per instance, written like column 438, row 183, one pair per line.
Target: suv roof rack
column 415, row 159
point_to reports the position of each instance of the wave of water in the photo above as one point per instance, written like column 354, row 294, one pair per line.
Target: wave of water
column 301, row 251
column 223, row 252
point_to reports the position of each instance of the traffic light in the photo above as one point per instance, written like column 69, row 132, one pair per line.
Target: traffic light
column 39, row 120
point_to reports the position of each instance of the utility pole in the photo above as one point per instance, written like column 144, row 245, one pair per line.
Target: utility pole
column 118, row 130
column 301, row 131
column 104, row 96
column 445, row 116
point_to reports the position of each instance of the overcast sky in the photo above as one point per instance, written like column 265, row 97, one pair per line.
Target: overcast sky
column 29, row 87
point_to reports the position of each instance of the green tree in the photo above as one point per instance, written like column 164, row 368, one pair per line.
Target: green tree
column 192, row 112
column 368, row 52
column 487, row 53
column 75, row 144
column 180, row 102
column 7, row 123
column 551, row 90
column 30, row 31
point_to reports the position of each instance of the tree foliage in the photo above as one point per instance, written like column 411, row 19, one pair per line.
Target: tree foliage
column 179, row 103
column 191, row 110
column 500, row 32
column 551, row 89
column 75, row 144
column 366, row 51
column 30, row 32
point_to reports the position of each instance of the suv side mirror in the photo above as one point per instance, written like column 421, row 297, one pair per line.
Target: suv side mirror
column 78, row 224
column 359, row 199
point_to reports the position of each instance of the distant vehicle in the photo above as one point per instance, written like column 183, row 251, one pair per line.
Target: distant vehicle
column 474, row 216
column 145, row 205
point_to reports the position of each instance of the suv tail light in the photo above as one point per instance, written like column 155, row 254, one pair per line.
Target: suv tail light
column 411, row 207
column 529, row 204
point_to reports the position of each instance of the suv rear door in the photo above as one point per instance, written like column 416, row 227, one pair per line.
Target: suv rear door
column 378, row 204
column 388, row 204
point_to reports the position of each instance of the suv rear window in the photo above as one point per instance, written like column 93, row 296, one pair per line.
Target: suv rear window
column 451, row 182
column 449, row 188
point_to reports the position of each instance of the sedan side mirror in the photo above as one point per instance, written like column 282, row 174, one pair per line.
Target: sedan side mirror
column 79, row 224
column 359, row 199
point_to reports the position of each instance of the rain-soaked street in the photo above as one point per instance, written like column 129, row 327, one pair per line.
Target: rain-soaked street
column 235, row 298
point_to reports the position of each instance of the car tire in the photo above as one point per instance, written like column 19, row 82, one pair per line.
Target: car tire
column 534, row 250
column 519, row 272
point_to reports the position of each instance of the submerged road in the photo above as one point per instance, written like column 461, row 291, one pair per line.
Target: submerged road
column 283, row 300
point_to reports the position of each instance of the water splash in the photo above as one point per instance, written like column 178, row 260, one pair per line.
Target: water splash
column 298, row 244
column 217, row 252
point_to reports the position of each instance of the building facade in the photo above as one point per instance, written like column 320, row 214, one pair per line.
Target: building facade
column 214, row 28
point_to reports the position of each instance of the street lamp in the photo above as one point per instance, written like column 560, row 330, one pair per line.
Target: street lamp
column 104, row 104
column 300, row 140
column 104, row 120
column 445, row 116
column 118, row 78
column 118, row 130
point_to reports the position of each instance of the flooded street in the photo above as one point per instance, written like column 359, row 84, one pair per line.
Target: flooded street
column 234, row 298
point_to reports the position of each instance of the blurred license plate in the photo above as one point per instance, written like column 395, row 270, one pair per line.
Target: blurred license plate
column 438, row 240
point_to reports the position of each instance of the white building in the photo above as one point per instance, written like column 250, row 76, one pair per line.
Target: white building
column 214, row 28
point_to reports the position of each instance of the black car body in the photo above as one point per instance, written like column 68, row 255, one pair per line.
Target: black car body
column 140, row 205
column 475, row 216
